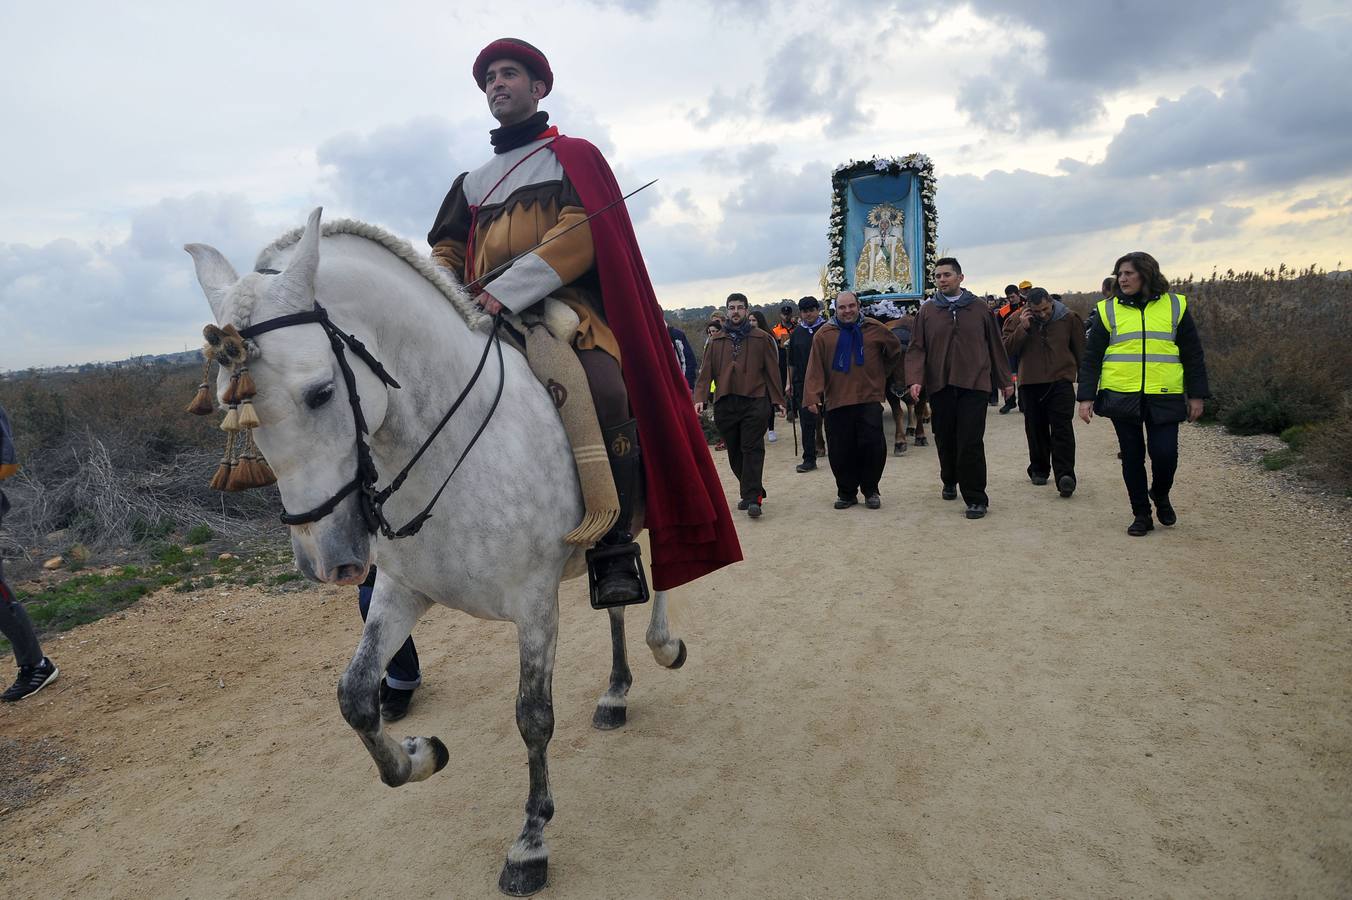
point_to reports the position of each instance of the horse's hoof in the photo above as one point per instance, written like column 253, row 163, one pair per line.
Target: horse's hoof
column 443, row 756
column 680, row 656
column 521, row 879
column 608, row 718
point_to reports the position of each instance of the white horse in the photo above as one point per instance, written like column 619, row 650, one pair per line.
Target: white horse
column 493, row 546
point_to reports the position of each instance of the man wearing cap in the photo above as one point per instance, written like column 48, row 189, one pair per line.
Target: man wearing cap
column 542, row 186
column 798, row 353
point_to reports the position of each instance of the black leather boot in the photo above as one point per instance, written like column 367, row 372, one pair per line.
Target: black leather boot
column 615, row 569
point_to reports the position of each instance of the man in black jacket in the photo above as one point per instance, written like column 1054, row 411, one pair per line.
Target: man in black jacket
column 799, row 349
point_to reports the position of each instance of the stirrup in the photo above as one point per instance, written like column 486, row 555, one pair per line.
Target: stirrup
column 629, row 554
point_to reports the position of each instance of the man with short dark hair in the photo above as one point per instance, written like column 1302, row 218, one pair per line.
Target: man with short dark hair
column 1048, row 339
column 853, row 359
column 957, row 357
column 742, row 364
column 798, row 353
column 526, row 212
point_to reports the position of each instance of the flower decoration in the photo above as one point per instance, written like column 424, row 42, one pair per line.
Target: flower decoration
column 918, row 163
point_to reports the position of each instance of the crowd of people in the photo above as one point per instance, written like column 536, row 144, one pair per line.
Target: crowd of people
column 1136, row 360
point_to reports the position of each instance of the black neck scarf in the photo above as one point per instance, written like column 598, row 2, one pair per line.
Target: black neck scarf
column 509, row 137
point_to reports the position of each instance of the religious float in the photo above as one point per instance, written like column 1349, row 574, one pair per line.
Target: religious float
column 882, row 233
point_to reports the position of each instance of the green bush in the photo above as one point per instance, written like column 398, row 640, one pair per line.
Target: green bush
column 199, row 534
column 1257, row 415
column 1279, row 459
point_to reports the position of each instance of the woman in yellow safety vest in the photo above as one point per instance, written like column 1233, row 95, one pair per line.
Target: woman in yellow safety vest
column 1143, row 367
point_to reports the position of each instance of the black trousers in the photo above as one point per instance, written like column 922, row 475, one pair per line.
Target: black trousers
column 958, row 423
column 1049, row 424
column 16, row 626
column 741, row 422
column 1136, row 437
column 857, row 448
column 809, row 421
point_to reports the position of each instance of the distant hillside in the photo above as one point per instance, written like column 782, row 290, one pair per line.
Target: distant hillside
column 148, row 361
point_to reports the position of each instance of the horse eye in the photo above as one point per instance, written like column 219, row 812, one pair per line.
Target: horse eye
column 319, row 397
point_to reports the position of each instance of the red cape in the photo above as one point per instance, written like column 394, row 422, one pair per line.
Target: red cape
column 687, row 516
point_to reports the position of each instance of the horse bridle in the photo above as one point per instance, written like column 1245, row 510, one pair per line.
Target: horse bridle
column 371, row 501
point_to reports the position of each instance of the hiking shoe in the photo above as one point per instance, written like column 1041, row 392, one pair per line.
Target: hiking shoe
column 1140, row 525
column 806, row 467
column 899, row 449
column 1009, row 406
column 393, row 702
column 1066, row 485
column 846, row 502
column 1037, row 479
column 950, row 492
column 753, row 510
column 976, row 510
column 1164, row 509
column 873, row 501
column 31, row 680
column 921, row 441
column 743, row 504
column 771, row 436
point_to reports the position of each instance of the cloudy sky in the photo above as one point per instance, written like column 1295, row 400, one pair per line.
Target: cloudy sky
column 1064, row 133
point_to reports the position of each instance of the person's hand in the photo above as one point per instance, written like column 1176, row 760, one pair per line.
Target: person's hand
column 788, row 389
column 489, row 304
column 1086, row 410
column 1007, row 391
column 1026, row 315
column 699, row 409
column 1194, row 409
column 812, row 408
column 779, row 409
column 915, row 392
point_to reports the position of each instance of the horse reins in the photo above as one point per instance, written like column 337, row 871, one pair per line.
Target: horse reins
column 371, row 501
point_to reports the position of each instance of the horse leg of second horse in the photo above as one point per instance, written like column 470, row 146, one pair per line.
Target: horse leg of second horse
column 388, row 624
column 527, row 868
column 612, row 708
column 667, row 650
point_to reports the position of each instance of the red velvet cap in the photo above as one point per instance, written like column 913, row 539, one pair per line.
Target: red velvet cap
column 519, row 50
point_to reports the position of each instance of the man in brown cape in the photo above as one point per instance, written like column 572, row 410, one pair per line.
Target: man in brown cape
column 853, row 359
column 957, row 357
column 742, row 364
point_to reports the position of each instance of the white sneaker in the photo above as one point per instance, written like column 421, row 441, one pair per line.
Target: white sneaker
column 772, row 437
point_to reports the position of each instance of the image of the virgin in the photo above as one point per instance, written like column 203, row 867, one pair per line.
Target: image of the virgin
column 879, row 231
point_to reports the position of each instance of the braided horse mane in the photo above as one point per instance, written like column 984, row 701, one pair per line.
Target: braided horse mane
column 450, row 288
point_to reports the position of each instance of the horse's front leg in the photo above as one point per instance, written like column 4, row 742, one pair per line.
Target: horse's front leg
column 388, row 625
column 667, row 650
column 612, row 708
column 527, row 868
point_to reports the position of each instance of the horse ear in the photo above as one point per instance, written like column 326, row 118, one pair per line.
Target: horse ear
column 214, row 274
column 296, row 286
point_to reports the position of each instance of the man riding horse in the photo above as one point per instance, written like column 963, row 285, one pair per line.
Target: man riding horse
column 542, row 186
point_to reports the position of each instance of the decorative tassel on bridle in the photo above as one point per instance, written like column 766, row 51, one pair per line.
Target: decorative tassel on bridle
column 242, row 465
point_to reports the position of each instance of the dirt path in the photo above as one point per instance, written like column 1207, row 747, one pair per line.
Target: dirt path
column 987, row 715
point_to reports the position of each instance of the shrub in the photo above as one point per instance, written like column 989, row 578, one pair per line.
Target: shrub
column 199, row 534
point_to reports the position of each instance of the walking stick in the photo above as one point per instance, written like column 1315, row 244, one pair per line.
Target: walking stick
column 794, row 423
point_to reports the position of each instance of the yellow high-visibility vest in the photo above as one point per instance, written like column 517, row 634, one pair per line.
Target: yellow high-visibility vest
column 1142, row 354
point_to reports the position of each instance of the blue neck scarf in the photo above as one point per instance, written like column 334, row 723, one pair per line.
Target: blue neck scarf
column 849, row 347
